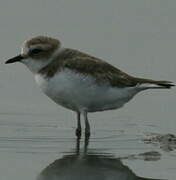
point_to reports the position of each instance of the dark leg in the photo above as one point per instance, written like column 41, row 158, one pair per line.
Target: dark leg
column 87, row 126
column 86, row 143
column 77, row 145
column 78, row 129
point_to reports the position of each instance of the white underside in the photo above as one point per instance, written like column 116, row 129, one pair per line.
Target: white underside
column 80, row 93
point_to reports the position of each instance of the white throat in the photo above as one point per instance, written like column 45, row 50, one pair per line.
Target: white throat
column 36, row 65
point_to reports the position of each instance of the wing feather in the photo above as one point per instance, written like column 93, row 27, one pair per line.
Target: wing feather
column 102, row 71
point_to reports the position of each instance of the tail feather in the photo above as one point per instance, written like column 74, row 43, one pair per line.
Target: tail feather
column 152, row 84
column 164, row 84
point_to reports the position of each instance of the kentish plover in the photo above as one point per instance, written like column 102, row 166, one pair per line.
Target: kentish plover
column 78, row 81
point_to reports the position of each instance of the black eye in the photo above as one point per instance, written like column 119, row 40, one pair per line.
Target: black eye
column 36, row 51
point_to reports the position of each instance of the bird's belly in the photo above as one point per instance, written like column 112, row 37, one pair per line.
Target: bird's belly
column 80, row 92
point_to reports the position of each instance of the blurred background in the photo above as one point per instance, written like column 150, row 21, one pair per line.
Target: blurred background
column 136, row 36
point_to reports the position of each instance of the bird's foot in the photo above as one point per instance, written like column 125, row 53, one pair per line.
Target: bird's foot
column 78, row 133
column 87, row 134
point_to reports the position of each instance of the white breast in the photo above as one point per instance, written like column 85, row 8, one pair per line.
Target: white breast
column 80, row 92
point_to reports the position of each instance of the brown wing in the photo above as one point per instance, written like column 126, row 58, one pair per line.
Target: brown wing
column 99, row 69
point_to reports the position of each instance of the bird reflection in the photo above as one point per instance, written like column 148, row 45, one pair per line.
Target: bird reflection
column 84, row 165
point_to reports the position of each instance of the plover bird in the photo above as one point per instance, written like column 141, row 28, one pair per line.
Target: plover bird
column 78, row 81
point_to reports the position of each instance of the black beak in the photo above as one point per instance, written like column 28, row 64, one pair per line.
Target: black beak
column 15, row 59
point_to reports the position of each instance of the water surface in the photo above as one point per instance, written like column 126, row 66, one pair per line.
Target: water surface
column 37, row 136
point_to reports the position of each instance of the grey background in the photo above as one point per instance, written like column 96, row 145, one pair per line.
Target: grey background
column 138, row 36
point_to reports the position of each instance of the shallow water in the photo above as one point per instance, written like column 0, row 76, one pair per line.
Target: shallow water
column 41, row 146
column 37, row 140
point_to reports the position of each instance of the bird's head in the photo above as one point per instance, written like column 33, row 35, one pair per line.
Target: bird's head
column 37, row 52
